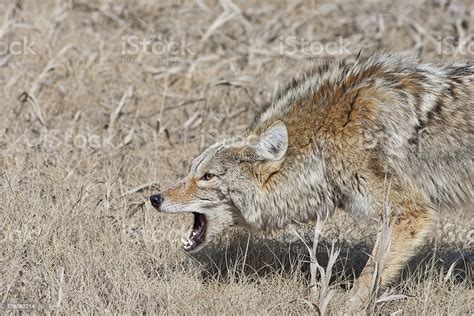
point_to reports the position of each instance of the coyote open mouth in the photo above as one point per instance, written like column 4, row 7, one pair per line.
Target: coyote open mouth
column 198, row 232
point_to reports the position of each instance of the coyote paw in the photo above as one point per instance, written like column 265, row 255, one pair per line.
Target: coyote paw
column 359, row 297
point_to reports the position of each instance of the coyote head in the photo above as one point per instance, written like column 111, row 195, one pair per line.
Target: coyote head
column 222, row 182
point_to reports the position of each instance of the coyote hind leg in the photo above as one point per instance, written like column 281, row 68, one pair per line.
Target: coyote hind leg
column 409, row 222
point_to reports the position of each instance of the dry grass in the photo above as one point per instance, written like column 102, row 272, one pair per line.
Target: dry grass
column 88, row 132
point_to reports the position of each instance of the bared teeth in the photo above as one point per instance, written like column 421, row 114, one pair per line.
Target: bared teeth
column 187, row 242
column 196, row 233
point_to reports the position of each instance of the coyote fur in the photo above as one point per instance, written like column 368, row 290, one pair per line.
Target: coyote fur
column 383, row 131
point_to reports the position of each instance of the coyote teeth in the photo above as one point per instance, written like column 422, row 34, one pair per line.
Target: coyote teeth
column 188, row 243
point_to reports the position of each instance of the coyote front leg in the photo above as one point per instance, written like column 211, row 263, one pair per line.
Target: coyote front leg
column 409, row 222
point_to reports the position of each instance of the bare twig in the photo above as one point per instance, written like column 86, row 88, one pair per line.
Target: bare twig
column 127, row 95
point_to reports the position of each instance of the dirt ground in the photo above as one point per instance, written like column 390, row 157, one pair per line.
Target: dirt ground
column 104, row 102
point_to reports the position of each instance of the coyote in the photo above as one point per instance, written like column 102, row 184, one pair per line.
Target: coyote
column 382, row 130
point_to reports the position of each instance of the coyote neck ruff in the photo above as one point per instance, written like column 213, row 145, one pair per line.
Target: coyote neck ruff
column 383, row 130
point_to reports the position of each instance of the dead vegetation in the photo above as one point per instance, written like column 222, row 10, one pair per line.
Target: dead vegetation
column 90, row 126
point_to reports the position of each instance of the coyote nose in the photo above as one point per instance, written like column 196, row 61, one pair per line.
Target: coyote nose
column 156, row 200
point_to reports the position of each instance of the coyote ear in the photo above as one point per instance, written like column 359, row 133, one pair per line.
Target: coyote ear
column 273, row 143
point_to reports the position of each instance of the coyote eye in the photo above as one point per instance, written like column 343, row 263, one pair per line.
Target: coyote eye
column 207, row 176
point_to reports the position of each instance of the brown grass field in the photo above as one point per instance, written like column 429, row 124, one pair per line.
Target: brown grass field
column 104, row 102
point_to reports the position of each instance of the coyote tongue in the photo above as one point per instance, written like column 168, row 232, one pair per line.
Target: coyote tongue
column 198, row 232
